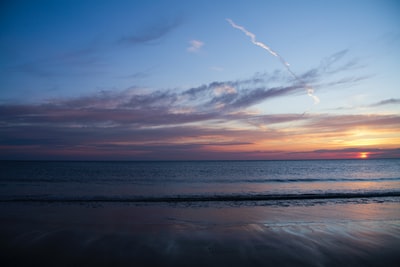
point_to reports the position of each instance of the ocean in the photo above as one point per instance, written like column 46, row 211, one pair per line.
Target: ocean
column 200, row 213
column 200, row 181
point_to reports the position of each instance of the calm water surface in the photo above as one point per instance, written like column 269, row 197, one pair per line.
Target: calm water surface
column 206, row 213
column 51, row 181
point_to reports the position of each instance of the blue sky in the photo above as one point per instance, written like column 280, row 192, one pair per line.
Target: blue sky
column 173, row 79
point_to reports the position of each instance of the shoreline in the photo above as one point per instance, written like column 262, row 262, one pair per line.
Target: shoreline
column 206, row 198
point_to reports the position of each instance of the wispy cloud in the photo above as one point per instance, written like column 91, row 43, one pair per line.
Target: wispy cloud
column 217, row 68
column 391, row 101
column 385, row 102
column 151, row 34
column 85, row 60
column 209, row 121
column 309, row 89
column 89, row 59
column 332, row 66
column 195, row 46
column 205, row 102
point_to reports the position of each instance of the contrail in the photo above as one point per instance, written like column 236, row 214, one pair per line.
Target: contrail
column 309, row 89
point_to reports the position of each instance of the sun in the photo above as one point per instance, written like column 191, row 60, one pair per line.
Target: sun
column 363, row 155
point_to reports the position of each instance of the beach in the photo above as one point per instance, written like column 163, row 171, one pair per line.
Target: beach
column 162, row 133
column 201, row 234
column 200, row 213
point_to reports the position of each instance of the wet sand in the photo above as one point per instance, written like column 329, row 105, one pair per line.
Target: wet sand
column 112, row 234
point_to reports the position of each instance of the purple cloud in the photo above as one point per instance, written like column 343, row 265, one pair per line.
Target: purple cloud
column 158, row 123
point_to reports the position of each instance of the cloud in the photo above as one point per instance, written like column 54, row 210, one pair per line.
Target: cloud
column 217, row 68
column 352, row 152
column 82, row 61
column 208, row 121
column 195, row 46
column 390, row 101
column 258, row 95
column 141, row 133
column 333, row 65
column 89, row 59
column 357, row 129
column 216, row 100
column 137, row 75
column 151, row 34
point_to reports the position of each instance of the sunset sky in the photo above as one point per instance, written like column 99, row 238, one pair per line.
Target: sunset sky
column 172, row 80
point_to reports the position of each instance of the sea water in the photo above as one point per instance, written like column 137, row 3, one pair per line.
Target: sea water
column 200, row 181
column 200, row 213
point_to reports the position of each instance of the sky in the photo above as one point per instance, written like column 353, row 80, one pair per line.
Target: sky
column 199, row 80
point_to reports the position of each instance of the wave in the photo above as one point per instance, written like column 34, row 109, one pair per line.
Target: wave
column 302, row 180
column 206, row 198
column 205, row 180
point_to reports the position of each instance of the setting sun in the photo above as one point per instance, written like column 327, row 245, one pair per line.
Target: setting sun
column 363, row 155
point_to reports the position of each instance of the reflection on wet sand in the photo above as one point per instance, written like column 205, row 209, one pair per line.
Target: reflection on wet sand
column 128, row 235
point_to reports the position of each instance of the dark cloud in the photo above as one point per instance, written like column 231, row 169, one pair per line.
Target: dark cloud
column 216, row 100
column 82, row 61
column 258, row 95
column 153, row 33
column 109, row 140
column 239, row 94
column 158, row 123
column 52, row 125
column 137, row 75
column 37, row 69
column 390, row 101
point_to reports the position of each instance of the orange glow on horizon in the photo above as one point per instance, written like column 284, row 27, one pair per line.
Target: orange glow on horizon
column 363, row 155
